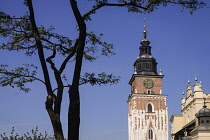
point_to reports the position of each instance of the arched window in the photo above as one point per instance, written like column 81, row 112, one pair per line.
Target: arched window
column 149, row 108
column 150, row 134
column 149, row 91
column 147, row 66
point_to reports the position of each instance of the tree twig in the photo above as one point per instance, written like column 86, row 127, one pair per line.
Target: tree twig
column 112, row 4
column 21, row 75
column 63, row 65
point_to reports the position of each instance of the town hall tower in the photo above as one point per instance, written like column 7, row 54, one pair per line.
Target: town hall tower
column 147, row 110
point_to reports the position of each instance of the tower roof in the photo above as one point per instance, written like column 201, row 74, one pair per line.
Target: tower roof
column 145, row 63
column 204, row 112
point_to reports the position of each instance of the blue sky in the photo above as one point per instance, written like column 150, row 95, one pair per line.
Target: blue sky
column 180, row 42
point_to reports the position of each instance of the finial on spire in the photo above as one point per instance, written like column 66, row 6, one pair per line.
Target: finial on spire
column 196, row 79
column 188, row 81
column 183, row 93
column 160, row 72
column 145, row 31
column 204, row 103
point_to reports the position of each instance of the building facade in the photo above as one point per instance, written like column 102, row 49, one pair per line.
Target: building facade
column 147, row 110
column 194, row 122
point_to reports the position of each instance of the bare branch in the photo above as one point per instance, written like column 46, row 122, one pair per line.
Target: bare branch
column 49, row 59
column 63, row 86
column 147, row 5
column 112, row 4
column 101, row 79
column 68, row 57
column 64, row 49
column 21, row 75
column 40, row 48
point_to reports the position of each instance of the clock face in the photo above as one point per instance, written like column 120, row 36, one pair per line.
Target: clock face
column 148, row 83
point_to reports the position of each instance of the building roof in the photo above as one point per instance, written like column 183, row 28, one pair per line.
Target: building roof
column 175, row 115
column 204, row 112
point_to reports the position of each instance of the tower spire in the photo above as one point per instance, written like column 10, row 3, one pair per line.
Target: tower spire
column 145, row 63
column 145, row 29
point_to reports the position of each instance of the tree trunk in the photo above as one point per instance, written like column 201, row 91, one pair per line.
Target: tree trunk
column 74, row 114
column 57, row 128
column 54, row 115
column 55, row 120
column 74, row 105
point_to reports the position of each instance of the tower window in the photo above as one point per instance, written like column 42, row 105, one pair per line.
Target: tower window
column 147, row 66
column 149, row 108
column 142, row 50
column 150, row 134
column 145, row 50
column 149, row 91
column 139, row 66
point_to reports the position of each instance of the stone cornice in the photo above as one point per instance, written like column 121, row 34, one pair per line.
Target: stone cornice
column 146, row 76
column 147, row 96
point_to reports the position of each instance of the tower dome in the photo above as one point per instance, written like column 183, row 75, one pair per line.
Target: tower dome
column 204, row 112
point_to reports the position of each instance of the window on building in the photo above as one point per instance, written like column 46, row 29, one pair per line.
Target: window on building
column 149, row 108
column 142, row 50
column 149, row 91
column 139, row 67
column 146, row 50
column 150, row 134
column 147, row 66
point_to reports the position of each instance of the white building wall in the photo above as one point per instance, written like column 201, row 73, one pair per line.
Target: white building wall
column 139, row 125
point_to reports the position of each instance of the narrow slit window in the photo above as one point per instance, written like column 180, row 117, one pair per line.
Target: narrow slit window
column 147, row 66
column 140, row 66
column 150, row 134
column 146, row 50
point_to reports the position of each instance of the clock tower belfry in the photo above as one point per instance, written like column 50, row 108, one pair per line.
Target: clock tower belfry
column 147, row 110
